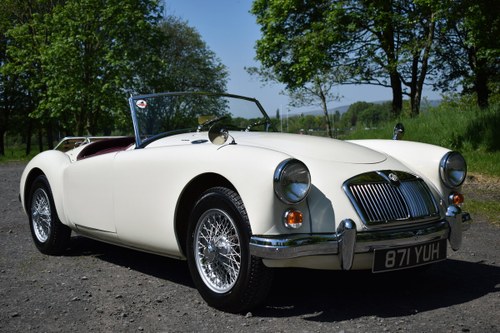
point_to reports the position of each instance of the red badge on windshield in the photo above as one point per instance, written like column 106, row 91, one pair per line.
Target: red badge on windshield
column 141, row 104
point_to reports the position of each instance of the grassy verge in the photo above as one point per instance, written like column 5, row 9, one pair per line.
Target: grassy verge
column 475, row 133
column 16, row 154
column 488, row 209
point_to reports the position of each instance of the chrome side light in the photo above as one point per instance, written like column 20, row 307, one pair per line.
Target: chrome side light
column 292, row 181
column 453, row 169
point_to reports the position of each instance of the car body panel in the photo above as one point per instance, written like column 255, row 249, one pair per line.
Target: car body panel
column 142, row 194
column 89, row 193
column 423, row 158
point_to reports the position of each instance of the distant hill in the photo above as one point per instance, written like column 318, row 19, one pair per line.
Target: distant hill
column 342, row 109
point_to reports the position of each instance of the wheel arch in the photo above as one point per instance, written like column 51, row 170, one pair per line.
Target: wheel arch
column 51, row 164
column 190, row 194
column 30, row 178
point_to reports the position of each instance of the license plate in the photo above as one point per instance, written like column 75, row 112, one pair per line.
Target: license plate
column 408, row 256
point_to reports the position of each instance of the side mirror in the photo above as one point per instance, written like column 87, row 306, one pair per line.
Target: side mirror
column 398, row 132
column 218, row 134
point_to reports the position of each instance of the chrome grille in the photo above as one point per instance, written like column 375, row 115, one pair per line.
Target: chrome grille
column 388, row 196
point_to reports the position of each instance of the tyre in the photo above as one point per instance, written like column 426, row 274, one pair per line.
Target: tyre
column 225, row 274
column 49, row 234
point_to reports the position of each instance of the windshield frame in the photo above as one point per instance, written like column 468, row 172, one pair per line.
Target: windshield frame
column 133, row 98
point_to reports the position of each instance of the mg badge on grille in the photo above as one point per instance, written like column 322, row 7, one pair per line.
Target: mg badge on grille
column 393, row 178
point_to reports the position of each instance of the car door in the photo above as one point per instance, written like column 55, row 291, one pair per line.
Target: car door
column 88, row 194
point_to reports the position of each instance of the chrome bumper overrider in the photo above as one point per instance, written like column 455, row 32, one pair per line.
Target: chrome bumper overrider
column 347, row 241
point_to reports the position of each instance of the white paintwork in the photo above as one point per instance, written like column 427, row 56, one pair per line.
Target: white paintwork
column 422, row 158
column 131, row 197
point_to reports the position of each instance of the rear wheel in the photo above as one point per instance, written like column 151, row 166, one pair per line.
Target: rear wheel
column 49, row 234
column 219, row 259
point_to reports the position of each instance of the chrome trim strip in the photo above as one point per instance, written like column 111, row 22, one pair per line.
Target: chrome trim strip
column 81, row 229
column 299, row 245
column 293, row 246
column 369, row 241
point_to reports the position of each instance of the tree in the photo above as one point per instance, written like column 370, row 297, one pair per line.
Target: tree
column 91, row 58
column 320, row 88
column 76, row 59
column 179, row 60
column 391, row 44
column 5, row 82
column 374, row 114
column 67, row 66
column 379, row 42
column 418, row 33
column 296, row 49
column 469, row 48
column 24, row 35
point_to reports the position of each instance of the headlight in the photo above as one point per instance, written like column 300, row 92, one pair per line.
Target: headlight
column 453, row 169
column 292, row 181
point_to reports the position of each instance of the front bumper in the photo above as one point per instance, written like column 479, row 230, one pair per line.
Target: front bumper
column 347, row 241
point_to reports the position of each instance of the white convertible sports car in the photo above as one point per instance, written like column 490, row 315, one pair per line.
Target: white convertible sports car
column 206, row 178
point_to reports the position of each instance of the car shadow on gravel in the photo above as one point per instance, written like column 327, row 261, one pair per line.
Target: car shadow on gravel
column 150, row 264
column 329, row 296
column 335, row 296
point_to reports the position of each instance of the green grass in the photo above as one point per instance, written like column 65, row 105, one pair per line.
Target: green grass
column 488, row 209
column 17, row 154
column 473, row 132
column 482, row 162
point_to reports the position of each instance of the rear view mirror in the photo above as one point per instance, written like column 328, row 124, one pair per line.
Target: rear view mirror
column 218, row 134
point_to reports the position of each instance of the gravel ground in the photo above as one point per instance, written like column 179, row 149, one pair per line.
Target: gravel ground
column 102, row 288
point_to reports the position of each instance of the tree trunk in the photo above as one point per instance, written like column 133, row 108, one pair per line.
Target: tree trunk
column 481, row 85
column 2, row 143
column 40, row 139
column 425, row 65
column 4, row 117
column 397, row 95
column 414, row 104
column 28, row 137
column 50, row 135
column 325, row 113
column 480, row 73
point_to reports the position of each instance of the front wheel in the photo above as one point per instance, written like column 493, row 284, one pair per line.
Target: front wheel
column 49, row 234
column 218, row 254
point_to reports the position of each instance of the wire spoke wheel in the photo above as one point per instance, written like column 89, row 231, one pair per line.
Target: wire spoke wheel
column 41, row 216
column 227, row 276
column 49, row 234
column 218, row 252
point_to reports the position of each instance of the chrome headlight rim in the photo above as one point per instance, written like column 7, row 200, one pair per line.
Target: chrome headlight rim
column 453, row 169
column 292, row 181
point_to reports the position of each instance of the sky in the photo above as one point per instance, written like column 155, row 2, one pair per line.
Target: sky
column 230, row 31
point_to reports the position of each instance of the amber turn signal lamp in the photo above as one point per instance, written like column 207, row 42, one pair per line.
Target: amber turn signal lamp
column 457, row 198
column 293, row 218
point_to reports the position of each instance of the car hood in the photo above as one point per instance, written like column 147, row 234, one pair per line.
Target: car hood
column 311, row 147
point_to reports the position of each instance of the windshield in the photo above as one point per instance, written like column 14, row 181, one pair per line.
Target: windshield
column 160, row 115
